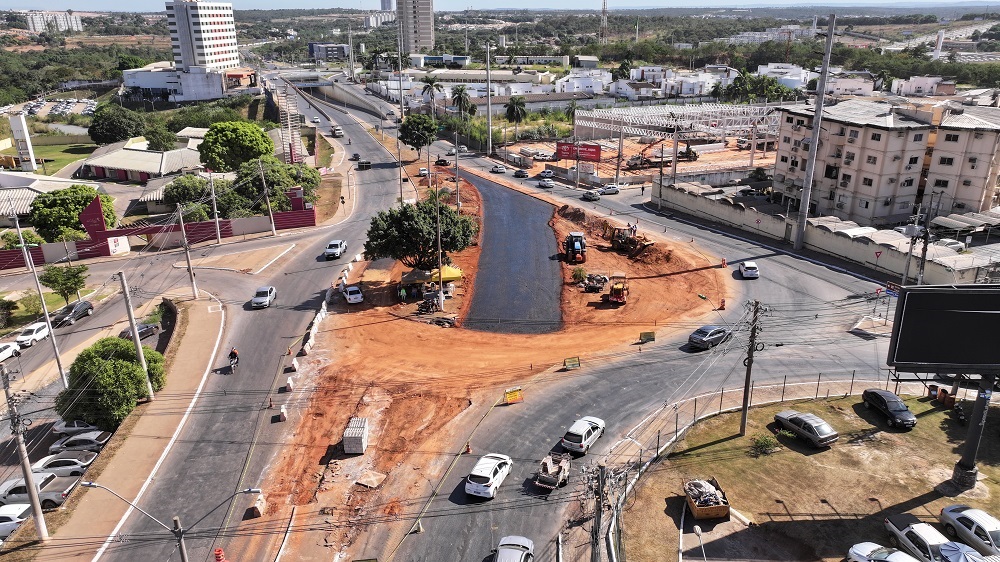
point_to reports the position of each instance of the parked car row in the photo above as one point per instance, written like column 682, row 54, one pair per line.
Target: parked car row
column 966, row 530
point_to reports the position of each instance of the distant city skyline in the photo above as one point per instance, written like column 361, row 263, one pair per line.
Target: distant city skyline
column 453, row 5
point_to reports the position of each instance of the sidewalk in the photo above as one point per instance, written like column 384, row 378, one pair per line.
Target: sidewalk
column 95, row 512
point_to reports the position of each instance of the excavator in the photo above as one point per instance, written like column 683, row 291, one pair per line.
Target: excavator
column 622, row 239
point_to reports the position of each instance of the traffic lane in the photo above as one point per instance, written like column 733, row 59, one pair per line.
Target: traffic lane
column 518, row 279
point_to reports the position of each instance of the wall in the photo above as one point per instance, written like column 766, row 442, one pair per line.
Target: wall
column 341, row 94
column 858, row 250
column 51, row 140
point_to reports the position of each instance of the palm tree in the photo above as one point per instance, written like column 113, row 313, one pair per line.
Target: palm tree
column 571, row 108
column 516, row 112
column 431, row 87
column 460, row 99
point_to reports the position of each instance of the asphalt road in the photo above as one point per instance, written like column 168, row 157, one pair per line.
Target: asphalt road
column 519, row 281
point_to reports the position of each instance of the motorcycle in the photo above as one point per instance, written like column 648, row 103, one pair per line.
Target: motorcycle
column 958, row 413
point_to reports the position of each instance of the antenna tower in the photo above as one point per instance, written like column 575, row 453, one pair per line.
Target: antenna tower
column 603, row 35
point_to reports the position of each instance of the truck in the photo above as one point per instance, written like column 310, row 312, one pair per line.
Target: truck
column 337, row 131
column 575, row 248
column 618, row 293
column 639, row 162
column 762, row 143
column 920, row 539
column 554, row 471
column 52, row 490
column 706, row 499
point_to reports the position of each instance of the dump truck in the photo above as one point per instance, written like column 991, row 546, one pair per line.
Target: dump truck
column 575, row 248
column 618, row 293
column 706, row 499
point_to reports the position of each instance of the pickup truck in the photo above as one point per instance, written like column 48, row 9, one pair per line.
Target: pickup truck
column 52, row 490
column 919, row 539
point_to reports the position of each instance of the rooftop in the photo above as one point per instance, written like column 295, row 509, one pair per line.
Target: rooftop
column 861, row 112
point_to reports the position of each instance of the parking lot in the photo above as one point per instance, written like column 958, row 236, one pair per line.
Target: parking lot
column 53, row 107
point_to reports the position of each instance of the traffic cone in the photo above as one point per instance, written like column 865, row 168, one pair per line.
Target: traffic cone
column 723, row 263
column 220, row 555
column 468, row 449
column 722, row 304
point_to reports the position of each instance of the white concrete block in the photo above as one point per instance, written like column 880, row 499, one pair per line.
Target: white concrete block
column 288, row 385
column 358, row 257
column 295, row 365
column 283, row 414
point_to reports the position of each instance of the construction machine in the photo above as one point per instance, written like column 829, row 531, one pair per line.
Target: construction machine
column 622, row 239
column 618, row 294
column 575, row 248
column 688, row 154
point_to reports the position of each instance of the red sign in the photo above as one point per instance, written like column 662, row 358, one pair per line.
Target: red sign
column 878, row 255
column 572, row 151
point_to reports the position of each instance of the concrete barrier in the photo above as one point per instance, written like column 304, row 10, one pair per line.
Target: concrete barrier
column 357, row 257
column 259, row 507
column 288, row 385
column 282, row 414
column 295, row 365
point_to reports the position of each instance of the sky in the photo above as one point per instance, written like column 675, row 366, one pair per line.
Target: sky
column 446, row 5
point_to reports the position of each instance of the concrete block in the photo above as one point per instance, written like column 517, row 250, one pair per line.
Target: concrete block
column 288, row 385
column 358, row 257
column 295, row 365
column 356, row 436
column 259, row 507
column 283, row 414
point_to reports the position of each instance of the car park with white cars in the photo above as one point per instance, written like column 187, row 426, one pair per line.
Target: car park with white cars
column 974, row 527
column 488, row 474
column 11, row 517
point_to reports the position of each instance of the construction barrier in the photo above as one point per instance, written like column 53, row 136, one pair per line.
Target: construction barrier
column 283, row 414
column 288, row 385
column 646, row 337
column 513, row 395
column 571, row 363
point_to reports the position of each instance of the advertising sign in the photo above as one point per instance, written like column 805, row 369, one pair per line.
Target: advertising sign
column 587, row 152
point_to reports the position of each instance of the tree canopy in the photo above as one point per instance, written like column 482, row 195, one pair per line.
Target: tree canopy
column 11, row 241
column 230, row 144
column 409, row 234
column 418, row 131
column 65, row 280
column 106, row 383
column 53, row 211
column 248, row 192
column 160, row 138
column 113, row 123
column 186, row 189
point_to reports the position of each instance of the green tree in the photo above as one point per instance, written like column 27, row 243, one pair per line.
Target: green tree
column 7, row 309
column 462, row 101
column 12, row 242
column 409, row 234
column 516, row 112
column 185, row 189
column 195, row 212
column 160, row 138
column 432, row 87
column 417, row 131
column 55, row 210
column 31, row 304
column 229, row 144
column 113, row 123
column 67, row 234
column 128, row 62
column 279, row 176
column 106, row 383
column 64, row 280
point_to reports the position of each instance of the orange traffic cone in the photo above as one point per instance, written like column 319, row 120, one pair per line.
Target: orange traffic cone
column 468, row 449
column 722, row 304
column 723, row 263
column 220, row 555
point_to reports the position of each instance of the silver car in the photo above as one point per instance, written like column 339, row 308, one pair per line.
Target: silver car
column 582, row 434
column 708, row 336
column 263, row 297
column 974, row 527
column 810, row 427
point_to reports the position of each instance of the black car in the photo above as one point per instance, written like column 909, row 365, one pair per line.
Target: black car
column 70, row 314
column 896, row 412
column 145, row 330
column 521, row 174
column 355, row 157
column 441, row 162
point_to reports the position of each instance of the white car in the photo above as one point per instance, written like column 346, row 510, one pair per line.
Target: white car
column 353, row 295
column 8, row 350
column 546, row 182
column 951, row 243
column 334, row 249
column 974, row 527
column 611, row 189
column 263, row 297
column 871, row 552
column 487, row 476
column 582, row 434
column 748, row 270
column 514, row 549
column 591, row 195
column 72, row 427
column 33, row 333
column 451, row 152
column 422, row 172
column 315, row 119
column 546, row 174
column 67, row 463
column 498, row 169
column 11, row 517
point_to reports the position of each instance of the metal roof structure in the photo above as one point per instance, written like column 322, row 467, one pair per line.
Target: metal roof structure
column 23, row 188
column 862, row 112
column 682, row 122
column 149, row 161
column 949, row 223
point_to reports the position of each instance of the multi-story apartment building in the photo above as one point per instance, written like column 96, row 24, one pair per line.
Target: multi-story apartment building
column 39, row 22
column 375, row 19
column 329, row 51
column 876, row 162
column 202, row 34
column 416, row 19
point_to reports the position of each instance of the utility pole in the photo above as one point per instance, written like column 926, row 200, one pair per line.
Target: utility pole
column 187, row 251
column 30, row 262
column 17, row 426
column 489, row 105
column 673, row 165
column 437, row 207
column 399, row 144
column 178, row 532
column 267, row 196
column 803, row 213
column 215, row 209
column 595, row 534
column 350, row 51
column 621, row 147
column 458, row 183
column 746, row 384
column 135, row 334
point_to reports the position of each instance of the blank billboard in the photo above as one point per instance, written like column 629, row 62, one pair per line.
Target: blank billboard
column 946, row 329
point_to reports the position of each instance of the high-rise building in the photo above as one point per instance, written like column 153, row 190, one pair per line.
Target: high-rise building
column 202, row 34
column 52, row 21
column 417, row 23
column 386, row 5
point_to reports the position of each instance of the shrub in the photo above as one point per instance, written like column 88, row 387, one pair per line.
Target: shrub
column 579, row 274
column 763, row 444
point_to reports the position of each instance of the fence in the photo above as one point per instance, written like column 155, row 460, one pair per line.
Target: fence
column 657, row 435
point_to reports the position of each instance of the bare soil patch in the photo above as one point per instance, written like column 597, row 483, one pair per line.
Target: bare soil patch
column 805, row 503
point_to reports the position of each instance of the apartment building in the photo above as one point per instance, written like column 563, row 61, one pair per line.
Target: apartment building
column 329, row 51
column 376, row 19
column 39, row 22
column 416, row 19
column 876, row 161
column 202, row 34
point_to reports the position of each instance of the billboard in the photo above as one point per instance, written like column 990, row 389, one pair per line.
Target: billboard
column 587, row 152
column 946, row 329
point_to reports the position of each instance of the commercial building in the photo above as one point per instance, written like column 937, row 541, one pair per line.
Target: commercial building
column 532, row 59
column 923, row 86
column 421, row 61
column 789, row 75
column 878, row 160
column 39, row 22
column 329, row 51
column 416, row 19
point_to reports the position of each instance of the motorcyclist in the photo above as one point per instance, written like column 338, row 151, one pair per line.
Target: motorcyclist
column 234, row 357
column 348, row 142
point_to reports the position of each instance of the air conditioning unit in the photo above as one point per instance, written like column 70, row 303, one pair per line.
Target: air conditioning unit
column 892, row 180
column 843, row 184
column 887, row 202
column 896, row 158
column 973, row 166
column 840, row 205
column 959, row 205
column 851, row 140
column 909, row 167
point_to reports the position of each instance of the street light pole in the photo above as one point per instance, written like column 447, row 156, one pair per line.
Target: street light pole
column 177, row 530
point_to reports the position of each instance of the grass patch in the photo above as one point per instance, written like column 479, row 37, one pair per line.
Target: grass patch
column 309, row 139
column 22, row 316
column 57, row 156
column 826, row 499
column 155, row 316
column 324, row 152
column 328, row 197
